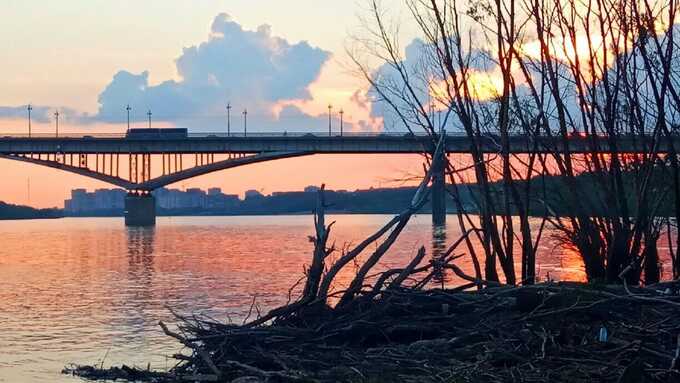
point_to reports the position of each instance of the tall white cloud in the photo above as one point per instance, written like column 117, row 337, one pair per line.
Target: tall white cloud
column 250, row 69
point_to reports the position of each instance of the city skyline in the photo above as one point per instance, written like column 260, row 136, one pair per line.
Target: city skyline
column 112, row 198
column 196, row 202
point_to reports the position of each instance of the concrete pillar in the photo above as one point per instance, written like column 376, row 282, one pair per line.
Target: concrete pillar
column 438, row 193
column 140, row 210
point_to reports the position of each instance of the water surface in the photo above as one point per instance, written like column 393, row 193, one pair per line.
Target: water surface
column 88, row 289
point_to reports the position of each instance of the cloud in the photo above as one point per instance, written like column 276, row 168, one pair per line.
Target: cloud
column 249, row 69
column 256, row 70
column 388, row 78
column 425, row 78
column 40, row 113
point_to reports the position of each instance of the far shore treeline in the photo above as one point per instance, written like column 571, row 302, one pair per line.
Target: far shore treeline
column 8, row 211
column 547, row 191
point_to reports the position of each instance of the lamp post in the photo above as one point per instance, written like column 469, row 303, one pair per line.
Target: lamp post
column 342, row 113
column 330, row 108
column 149, row 114
column 30, row 108
column 245, row 122
column 56, row 120
column 433, row 112
column 128, row 109
column 228, row 119
column 436, row 113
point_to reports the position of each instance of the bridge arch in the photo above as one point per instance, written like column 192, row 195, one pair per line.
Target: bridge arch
column 113, row 180
column 196, row 171
column 160, row 181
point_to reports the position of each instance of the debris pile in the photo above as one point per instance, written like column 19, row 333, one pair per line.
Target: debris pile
column 563, row 332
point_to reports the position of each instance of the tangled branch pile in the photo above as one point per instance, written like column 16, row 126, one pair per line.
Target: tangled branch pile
column 544, row 333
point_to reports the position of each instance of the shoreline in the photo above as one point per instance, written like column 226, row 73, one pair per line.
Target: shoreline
column 28, row 218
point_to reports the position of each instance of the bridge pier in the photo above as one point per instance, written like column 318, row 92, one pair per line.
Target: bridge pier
column 140, row 210
column 438, row 191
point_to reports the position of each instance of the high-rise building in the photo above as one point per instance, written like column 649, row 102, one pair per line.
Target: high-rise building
column 112, row 201
column 82, row 202
column 253, row 194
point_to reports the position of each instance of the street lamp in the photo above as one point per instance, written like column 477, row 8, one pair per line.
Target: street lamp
column 56, row 120
column 245, row 122
column 342, row 113
column 228, row 119
column 149, row 114
column 128, row 109
column 330, row 107
column 30, row 108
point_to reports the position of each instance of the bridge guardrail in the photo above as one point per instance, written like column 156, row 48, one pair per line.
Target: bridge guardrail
column 224, row 135
column 81, row 135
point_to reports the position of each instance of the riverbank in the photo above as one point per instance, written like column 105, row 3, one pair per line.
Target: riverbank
column 564, row 332
column 16, row 212
column 27, row 218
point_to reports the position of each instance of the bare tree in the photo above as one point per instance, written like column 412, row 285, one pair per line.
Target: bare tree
column 445, row 74
column 595, row 56
column 595, row 74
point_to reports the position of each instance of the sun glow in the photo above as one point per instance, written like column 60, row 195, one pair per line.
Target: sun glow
column 481, row 86
column 589, row 53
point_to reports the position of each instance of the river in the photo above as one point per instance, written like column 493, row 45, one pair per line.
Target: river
column 89, row 290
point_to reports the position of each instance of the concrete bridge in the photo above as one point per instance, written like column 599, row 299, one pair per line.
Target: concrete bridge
column 126, row 161
column 356, row 143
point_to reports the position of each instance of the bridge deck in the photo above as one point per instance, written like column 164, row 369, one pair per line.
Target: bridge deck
column 262, row 143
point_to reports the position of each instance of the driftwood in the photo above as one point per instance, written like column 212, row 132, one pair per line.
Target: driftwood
column 545, row 333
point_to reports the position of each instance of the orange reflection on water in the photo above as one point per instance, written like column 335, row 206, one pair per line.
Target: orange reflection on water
column 568, row 266
column 72, row 289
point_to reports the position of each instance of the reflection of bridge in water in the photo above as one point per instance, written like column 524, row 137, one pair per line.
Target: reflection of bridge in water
column 126, row 161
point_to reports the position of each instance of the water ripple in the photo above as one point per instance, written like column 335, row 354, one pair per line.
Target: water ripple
column 75, row 290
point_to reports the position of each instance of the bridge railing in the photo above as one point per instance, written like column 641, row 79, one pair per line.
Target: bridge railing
column 317, row 134
column 219, row 135
column 61, row 135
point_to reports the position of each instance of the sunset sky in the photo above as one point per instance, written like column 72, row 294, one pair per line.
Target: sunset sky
column 283, row 60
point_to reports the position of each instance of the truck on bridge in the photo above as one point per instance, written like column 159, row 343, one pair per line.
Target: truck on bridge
column 157, row 133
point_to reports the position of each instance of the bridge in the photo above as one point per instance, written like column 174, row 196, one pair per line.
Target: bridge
column 126, row 161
